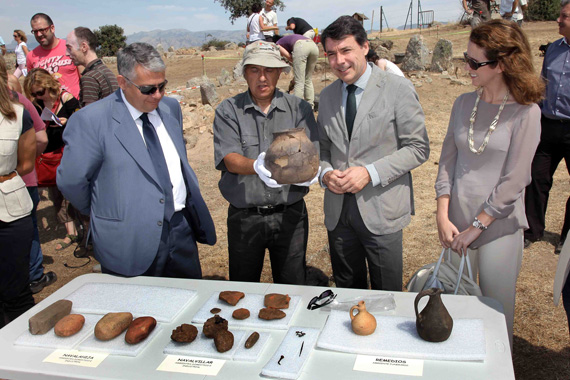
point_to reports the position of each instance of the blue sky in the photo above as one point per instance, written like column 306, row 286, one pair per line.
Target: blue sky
column 196, row 15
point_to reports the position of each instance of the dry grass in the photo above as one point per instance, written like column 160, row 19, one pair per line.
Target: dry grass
column 541, row 349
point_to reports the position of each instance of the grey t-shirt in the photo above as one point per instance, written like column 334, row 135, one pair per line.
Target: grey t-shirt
column 493, row 181
column 241, row 127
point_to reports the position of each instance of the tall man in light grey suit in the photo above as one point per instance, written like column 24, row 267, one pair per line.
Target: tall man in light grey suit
column 125, row 164
column 372, row 133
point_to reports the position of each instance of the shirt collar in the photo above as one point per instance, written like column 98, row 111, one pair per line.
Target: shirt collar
column 277, row 102
column 135, row 113
column 363, row 80
column 564, row 41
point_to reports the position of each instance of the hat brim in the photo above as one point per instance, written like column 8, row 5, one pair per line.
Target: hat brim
column 260, row 61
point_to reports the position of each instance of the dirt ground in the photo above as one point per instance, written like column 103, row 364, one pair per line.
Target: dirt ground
column 541, row 349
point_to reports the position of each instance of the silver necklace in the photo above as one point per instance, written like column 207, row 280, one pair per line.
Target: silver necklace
column 492, row 127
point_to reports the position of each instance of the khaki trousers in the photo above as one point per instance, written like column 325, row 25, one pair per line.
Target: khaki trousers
column 305, row 55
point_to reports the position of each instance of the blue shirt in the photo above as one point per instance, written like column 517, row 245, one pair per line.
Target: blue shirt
column 556, row 73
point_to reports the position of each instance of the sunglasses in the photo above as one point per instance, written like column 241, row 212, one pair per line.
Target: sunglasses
column 16, row 36
column 38, row 93
column 474, row 64
column 42, row 31
column 323, row 299
column 149, row 90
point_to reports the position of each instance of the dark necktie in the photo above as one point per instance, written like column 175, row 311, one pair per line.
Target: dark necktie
column 159, row 162
column 350, row 112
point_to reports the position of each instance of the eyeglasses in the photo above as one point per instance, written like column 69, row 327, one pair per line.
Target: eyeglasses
column 38, row 93
column 474, row 64
column 149, row 90
column 42, row 31
column 323, row 299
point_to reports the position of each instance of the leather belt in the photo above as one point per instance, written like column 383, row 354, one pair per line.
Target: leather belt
column 269, row 210
column 4, row 178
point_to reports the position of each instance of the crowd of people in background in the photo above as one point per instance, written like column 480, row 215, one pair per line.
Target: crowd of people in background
column 119, row 135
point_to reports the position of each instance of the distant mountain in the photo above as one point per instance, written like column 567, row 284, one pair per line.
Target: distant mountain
column 182, row 38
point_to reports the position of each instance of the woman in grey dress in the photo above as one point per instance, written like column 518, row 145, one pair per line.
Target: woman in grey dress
column 486, row 159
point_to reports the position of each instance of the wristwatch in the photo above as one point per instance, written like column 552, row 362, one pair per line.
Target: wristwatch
column 477, row 224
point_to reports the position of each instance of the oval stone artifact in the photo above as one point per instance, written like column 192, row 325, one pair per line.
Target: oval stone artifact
column 112, row 325
column 252, row 340
column 269, row 314
column 240, row 314
column 140, row 329
column 69, row 325
column 215, row 310
column 184, row 333
column 224, row 340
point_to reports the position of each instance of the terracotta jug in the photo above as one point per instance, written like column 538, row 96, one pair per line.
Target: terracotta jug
column 434, row 323
column 363, row 323
column 292, row 157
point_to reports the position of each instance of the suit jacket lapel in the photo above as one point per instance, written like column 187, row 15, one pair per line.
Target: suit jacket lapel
column 129, row 136
column 369, row 97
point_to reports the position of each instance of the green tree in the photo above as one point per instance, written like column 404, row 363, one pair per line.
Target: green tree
column 111, row 38
column 242, row 8
column 543, row 10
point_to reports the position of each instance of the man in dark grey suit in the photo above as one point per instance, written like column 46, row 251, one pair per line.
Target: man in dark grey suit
column 372, row 133
column 125, row 164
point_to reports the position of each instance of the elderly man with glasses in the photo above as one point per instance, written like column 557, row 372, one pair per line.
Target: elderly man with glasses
column 125, row 165
column 50, row 54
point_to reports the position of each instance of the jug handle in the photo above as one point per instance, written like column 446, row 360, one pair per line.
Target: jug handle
column 351, row 309
column 420, row 295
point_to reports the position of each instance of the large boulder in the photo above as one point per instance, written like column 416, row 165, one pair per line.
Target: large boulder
column 224, row 79
column 208, row 93
column 417, row 55
column 442, row 56
column 171, row 49
column 160, row 49
column 230, row 46
column 237, row 72
column 197, row 81
column 377, row 42
column 385, row 53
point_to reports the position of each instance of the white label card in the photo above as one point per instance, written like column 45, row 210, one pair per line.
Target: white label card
column 191, row 364
column 73, row 357
column 394, row 366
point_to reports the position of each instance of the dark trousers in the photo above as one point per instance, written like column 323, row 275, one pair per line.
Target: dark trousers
column 36, row 255
column 284, row 234
column 177, row 255
column 554, row 146
column 15, row 294
column 352, row 246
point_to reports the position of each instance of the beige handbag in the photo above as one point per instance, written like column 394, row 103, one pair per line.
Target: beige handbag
column 444, row 275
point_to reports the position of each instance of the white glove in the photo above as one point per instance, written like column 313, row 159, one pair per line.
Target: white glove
column 263, row 173
column 309, row 183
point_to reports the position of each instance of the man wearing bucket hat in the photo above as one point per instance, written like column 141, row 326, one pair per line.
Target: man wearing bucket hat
column 262, row 213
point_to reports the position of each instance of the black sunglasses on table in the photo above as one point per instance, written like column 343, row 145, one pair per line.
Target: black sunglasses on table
column 474, row 64
column 321, row 300
column 149, row 90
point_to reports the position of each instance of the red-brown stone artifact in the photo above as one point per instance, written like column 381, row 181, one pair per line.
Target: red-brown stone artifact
column 231, row 297
column 112, row 325
column 292, row 157
column 277, row 301
column 69, row 325
column 140, row 329
column 213, row 325
column 269, row 313
column 184, row 333
column 252, row 340
column 224, row 340
column 240, row 314
column 215, row 310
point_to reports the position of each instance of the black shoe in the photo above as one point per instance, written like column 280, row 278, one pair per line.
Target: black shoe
column 558, row 248
column 46, row 279
column 527, row 243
